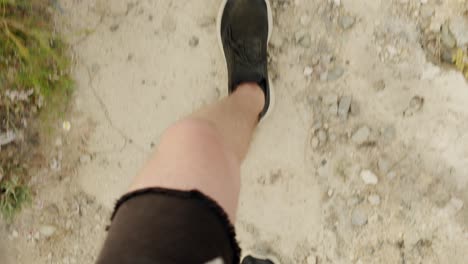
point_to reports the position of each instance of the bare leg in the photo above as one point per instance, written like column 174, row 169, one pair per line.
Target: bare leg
column 205, row 150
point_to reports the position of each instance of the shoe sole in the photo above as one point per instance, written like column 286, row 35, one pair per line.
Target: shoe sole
column 269, row 256
column 270, row 30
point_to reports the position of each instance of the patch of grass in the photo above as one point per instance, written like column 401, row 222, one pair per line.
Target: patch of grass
column 14, row 194
column 35, row 87
column 460, row 60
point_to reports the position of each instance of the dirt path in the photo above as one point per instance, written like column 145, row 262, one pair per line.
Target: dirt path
column 386, row 183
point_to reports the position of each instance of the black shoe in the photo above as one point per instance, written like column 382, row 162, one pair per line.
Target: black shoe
column 244, row 28
column 252, row 260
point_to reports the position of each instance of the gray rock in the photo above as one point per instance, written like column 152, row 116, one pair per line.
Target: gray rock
column 384, row 165
column 193, row 42
column 447, row 37
column 359, row 217
column 374, row 199
column 344, row 107
column 47, row 230
column 335, row 73
column 361, row 136
column 369, row 177
column 346, row 21
column 459, row 28
column 333, row 109
column 322, row 136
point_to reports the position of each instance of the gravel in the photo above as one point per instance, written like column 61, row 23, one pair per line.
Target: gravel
column 335, row 73
column 459, row 29
column 361, row 135
column 384, row 165
column 447, row 37
column 359, row 217
column 47, row 230
column 344, row 107
column 303, row 39
column 308, row 71
column 346, row 21
column 322, row 136
column 369, row 177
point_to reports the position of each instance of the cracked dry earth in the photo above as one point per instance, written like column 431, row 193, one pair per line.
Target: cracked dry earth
column 364, row 159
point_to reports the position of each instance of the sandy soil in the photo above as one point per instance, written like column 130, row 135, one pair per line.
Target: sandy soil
column 384, row 183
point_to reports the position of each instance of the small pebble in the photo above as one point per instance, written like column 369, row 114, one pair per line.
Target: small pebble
column 303, row 39
column 47, row 230
column 308, row 71
column 193, row 42
column 359, row 217
column 384, row 165
column 447, row 37
column 335, row 74
column 344, row 107
column 374, row 199
column 322, row 136
column 361, row 135
column 369, row 177
column 346, row 21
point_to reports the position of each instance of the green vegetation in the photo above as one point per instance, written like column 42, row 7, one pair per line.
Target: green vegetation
column 35, row 86
column 14, row 195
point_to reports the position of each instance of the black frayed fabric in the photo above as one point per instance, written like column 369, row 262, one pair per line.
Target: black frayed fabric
column 158, row 225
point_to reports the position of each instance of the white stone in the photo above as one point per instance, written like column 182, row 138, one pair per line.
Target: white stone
column 369, row 177
column 308, row 71
column 47, row 230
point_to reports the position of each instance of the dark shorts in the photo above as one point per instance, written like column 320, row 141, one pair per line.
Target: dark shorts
column 167, row 226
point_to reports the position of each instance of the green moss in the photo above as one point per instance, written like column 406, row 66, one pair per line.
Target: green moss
column 33, row 62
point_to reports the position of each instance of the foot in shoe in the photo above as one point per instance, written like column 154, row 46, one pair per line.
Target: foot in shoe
column 244, row 33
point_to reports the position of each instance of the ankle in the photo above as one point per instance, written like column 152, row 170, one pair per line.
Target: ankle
column 251, row 94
